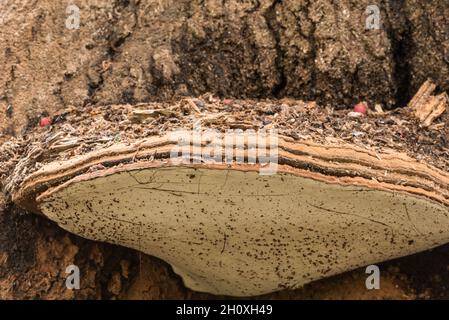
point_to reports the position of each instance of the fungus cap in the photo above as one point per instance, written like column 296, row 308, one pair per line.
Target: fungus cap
column 332, row 205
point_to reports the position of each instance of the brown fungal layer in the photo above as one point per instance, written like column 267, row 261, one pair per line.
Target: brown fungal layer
column 380, row 146
column 334, row 163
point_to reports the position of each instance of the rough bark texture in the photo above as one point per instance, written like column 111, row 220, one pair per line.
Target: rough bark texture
column 132, row 51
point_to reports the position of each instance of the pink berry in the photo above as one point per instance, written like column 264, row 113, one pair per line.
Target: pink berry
column 228, row 102
column 45, row 121
column 361, row 108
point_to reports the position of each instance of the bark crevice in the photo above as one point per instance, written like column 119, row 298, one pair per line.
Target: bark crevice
column 270, row 16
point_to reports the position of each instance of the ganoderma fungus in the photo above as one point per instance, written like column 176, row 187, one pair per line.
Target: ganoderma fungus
column 338, row 201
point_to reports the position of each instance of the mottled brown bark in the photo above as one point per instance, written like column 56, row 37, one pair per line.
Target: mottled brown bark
column 132, row 51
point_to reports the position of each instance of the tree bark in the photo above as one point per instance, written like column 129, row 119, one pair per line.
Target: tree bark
column 130, row 51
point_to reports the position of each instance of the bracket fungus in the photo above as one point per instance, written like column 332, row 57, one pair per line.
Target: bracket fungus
column 337, row 201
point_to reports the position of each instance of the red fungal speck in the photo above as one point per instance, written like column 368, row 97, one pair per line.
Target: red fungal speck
column 45, row 121
column 361, row 108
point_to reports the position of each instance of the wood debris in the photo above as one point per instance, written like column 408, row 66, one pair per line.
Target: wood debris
column 142, row 115
column 193, row 106
column 427, row 107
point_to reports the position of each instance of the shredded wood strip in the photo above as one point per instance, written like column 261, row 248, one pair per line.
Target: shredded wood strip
column 427, row 107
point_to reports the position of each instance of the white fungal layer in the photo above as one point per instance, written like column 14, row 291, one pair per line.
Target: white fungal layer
column 237, row 233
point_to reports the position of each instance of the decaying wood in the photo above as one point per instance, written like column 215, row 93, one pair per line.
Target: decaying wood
column 348, row 191
column 426, row 106
column 143, row 115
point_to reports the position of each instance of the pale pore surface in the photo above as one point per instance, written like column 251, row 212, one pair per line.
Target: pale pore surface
column 238, row 233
